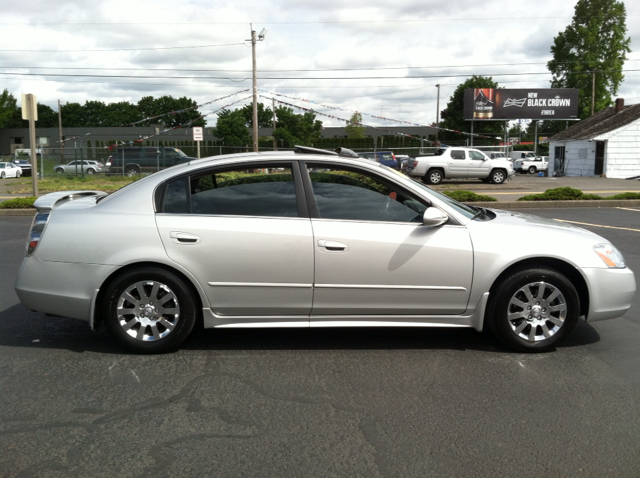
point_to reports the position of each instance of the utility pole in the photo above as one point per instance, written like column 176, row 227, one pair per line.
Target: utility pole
column 30, row 112
column 273, row 110
column 437, row 114
column 255, row 83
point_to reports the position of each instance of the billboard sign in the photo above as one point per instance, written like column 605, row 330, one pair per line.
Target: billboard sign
column 489, row 104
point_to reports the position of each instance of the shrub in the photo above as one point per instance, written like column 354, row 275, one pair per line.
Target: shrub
column 624, row 196
column 18, row 203
column 468, row 196
column 560, row 194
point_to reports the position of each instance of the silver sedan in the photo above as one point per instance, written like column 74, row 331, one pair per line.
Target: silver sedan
column 310, row 239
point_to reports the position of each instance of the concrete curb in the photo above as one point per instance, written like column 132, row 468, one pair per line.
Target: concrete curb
column 557, row 204
column 17, row 212
column 494, row 205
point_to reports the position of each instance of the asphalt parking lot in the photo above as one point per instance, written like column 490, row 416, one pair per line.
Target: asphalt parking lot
column 317, row 403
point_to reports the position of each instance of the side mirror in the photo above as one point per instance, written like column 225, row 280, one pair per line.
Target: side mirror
column 434, row 217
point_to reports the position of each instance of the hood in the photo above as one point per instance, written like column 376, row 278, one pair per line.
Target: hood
column 530, row 221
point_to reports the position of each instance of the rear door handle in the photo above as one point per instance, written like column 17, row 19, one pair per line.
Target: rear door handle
column 332, row 246
column 183, row 238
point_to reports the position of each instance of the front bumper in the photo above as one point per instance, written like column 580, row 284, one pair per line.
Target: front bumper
column 610, row 292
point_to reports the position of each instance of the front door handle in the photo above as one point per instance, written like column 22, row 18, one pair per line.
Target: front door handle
column 332, row 246
column 183, row 238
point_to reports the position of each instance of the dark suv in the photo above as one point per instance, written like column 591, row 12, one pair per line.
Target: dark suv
column 145, row 160
column 384, row 157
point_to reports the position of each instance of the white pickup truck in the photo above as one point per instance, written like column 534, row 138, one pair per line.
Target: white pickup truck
column 460, row 163
column 531, row 165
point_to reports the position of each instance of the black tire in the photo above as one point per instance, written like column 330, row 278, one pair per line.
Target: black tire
column 526, row 321
column 131, row 172
column 434, row 176
column 59, row 171
column 498, row 176
column 18, row 174
column 2, row 175
column 532, row 170
column 145, row 327
column 91, row 171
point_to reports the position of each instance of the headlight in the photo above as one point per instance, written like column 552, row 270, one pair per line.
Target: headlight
column 611, row 256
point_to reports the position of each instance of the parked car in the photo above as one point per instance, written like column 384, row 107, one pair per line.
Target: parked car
column 521, row 155
column 24, row 165
column 9, row 170
column 403, row 161
column 383, row 157
column 145, row 160
column 531, row 165
column 75, row 167
column 325, row 241
column 495, row 154
column 22, row 152
column 460, row 163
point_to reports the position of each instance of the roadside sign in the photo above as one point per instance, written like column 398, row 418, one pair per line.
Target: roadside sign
column 198, row 134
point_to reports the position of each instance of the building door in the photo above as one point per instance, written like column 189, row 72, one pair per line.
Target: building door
column 599, row 166
column 559, row 161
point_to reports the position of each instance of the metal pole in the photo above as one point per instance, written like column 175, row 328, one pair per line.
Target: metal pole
column 61, row 142
column 535, row 137
column 593, row 92
column 255, row 91
column 437, row 113
column 471, row 133
column 273, row 108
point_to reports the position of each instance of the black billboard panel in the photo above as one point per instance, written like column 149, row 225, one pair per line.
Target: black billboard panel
column 489, row 104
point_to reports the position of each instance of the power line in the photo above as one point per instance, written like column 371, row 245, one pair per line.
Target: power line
column 297, row 70
column 128, row 49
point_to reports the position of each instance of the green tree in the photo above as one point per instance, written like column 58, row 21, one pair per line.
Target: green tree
column 232, row 128
column 354, row 127
column 150, row 106
column 265, row 116
column 594, row 41
column 453, row 116
column 72, row 115
column 294, row 129
column 7, row 109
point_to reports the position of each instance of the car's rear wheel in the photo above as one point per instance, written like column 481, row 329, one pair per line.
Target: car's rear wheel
column 18, row 174
column 131, row 172
column 150, row 310
column 498, row 176
column 532, row 170
column 2, row 175
column 434, row 176
column 91, row 171
column 533, row 310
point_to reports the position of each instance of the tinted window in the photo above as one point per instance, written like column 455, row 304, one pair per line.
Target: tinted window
column 457, row 154
column 235, row 193
column 343, row 194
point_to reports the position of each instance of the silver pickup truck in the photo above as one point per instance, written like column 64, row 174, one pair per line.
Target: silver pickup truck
column 460, row 163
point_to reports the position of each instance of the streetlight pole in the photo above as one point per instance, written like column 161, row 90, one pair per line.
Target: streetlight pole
column 255, row 84
column 437, row 113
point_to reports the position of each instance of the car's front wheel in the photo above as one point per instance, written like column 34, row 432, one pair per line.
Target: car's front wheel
column 131, row 172
column 533, row 310
column 2, row 175
column 59, row 171
column 498, row 176
column 150, row 310
column 17, row 174
column 434, row 176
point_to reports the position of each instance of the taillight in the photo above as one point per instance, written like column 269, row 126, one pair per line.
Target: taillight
column 415, row 164
column 37, row 229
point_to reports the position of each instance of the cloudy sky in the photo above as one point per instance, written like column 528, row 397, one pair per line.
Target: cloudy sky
column 380, row 57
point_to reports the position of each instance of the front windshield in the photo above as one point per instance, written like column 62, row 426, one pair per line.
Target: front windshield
column 467, row 211
column 180, row 153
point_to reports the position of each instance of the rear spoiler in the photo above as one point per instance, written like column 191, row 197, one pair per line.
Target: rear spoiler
column 50, row 201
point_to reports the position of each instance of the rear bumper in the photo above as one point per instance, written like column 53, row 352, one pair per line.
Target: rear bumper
column 60, row 288
column 610, row 292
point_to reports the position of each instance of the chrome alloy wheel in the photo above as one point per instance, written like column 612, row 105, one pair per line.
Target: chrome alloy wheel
column 537, row 311
column 148, row 310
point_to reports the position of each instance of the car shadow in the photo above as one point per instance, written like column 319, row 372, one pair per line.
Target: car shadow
column 20, row 327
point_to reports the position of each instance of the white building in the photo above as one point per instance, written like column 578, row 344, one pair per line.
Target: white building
column 605, row 144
